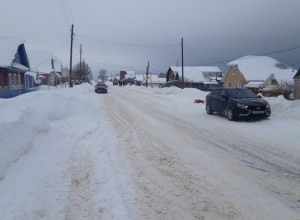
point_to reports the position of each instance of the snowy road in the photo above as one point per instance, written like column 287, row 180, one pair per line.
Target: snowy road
column 184, row 167
column 144, row 153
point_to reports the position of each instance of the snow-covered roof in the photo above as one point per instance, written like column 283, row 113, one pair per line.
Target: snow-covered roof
column 34, row 74
column 139, row 77
column 197, row 73
column 8, row 49
column 156, row 79
column 129, row 74
column 19, row 66
column 261, row 67
column 254, row 84
column 41, row 61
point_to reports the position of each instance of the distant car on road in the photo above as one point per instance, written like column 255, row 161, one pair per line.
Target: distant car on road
column 101, row 88
column 115, row 81
column 237, row 103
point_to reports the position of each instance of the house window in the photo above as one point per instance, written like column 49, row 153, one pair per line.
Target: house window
column 13, row 80
column 240, row 84
column 229, row 84
column 234, row 71
column 273, row 82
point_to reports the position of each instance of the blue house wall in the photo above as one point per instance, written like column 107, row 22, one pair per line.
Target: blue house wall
column 10, row 93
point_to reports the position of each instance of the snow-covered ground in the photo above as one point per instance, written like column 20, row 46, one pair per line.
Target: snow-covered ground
column 144, row 153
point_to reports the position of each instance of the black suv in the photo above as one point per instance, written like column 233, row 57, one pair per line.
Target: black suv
column 101, row 88
column 237, row 103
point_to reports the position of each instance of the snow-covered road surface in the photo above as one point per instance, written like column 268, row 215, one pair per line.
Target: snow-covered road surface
column 144, row 153
column 187, row 167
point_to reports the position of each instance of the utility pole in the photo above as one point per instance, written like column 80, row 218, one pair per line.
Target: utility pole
column 80, row 62
column 71, row 52
column 182, row 63
column 147, row 73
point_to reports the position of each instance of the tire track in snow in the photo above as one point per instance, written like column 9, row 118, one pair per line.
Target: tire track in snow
column 165, row 187
column 80, row 197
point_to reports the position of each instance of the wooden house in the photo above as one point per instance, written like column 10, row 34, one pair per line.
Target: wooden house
column 201, row 77
column 13, row 65
column 261, row 74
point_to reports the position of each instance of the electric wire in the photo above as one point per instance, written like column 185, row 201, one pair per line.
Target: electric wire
column 63, row 14
column 126, row 44
column 47, row 59
column 52, row 18
column 295, row 47
column 70, row 10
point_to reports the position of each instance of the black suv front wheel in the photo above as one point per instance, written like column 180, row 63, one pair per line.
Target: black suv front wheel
column 229, row 114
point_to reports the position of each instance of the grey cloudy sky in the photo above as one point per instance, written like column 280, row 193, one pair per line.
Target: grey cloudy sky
column 126, row 34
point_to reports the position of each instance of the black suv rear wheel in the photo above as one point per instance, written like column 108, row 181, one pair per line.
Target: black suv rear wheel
column 209, row 110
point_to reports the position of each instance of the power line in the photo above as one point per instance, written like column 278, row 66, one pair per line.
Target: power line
column 63, row 13
column 67, row 11
column 126, row 44
column 52, row 19
column 47, row 59
column 191, row 52
column 261, row 54
column 282, row 50
column 70, row 10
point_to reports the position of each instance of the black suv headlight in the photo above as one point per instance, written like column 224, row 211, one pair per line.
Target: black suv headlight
column 243, row 106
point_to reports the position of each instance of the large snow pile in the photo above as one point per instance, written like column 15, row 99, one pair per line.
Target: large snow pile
column 25, row 117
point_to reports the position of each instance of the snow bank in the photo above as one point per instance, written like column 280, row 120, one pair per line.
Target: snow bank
column 24, row 117
column 284, row 109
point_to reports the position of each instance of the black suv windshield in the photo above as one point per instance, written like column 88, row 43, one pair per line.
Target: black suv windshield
column 240, row 93
column 101, row 85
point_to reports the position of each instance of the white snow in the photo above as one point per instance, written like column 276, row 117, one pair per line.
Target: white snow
column 60, row 156
column 261, row 67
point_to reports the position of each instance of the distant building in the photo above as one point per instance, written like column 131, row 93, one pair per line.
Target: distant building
column 261, row 74
column 200, row 77
column 47, row 67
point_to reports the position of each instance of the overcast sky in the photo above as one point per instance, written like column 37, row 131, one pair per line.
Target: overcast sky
column 126, row 34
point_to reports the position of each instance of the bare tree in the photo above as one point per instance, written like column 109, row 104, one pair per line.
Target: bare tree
column 102, row 75
column 83, row 73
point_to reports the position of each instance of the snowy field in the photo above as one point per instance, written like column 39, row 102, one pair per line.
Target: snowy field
column 144, row 153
